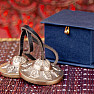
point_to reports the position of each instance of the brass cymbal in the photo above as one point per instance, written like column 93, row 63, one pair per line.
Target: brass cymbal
column 11, row 70
column 41, row 72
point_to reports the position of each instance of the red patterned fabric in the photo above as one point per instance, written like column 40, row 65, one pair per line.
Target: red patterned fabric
column 15, row 13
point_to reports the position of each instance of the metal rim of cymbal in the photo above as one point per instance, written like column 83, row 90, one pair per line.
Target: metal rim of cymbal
column 39, row 82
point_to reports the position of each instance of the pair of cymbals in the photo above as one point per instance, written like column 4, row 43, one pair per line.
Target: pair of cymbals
column 37, row 71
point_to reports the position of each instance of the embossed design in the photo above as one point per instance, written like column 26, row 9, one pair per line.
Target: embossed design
column 29, row 69
column 26, row 64
column 38, row 64
column 56, row 68
column 10, row 69
column 42, row 65
column 47, row 75
column 14, row 67
column 24, row 70
column 46, row 65
column 54, row 73
column 17, row 60
column 23, row 59
column 34, row 73
column 41, row 70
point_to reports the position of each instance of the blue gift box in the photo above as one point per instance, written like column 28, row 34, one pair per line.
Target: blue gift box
column 76, row 47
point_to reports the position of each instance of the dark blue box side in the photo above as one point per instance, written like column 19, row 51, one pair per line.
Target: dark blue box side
column 73, row 49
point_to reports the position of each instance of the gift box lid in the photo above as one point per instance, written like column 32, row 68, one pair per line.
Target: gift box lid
column 72, row 18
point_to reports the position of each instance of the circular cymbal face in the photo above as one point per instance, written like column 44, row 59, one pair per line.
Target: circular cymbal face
column 12, row 69
column 41, row 72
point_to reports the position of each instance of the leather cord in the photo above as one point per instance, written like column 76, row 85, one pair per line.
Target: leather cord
column 54, row 51
column 37, row 40
column 30, row 42
column 36, row 36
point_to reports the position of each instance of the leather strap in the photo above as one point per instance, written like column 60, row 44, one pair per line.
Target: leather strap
column 36, row 36
column 37, row 39
column 30, row 42
column 54, row 51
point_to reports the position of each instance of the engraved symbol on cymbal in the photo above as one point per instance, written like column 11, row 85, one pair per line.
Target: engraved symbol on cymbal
column 34, row 73
column 47, row 75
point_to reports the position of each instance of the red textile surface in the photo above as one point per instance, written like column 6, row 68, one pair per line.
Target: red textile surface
column 15, row 13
